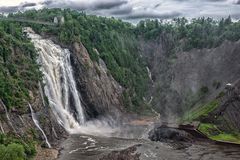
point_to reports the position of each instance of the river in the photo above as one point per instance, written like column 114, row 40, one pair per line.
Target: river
column 87, row 147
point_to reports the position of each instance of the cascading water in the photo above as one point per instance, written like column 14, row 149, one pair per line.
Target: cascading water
column 59, row 83
column 61, row 90
column 7, row 115
column 38, row 126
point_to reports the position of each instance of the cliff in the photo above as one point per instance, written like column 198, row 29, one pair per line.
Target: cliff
column 182, row 80
column 101, row 95
column 20, row 123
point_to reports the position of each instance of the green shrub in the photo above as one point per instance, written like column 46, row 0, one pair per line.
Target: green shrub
column 14, row 152
column 11, row 147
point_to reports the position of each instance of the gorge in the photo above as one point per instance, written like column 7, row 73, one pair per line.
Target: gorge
column 99, row 88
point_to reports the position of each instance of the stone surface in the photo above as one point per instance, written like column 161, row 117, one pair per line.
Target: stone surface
column 101, row 94
column 178, row 77
column 166, row 134
column 126, row 154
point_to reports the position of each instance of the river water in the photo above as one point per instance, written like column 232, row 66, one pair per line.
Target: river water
column 87, row 147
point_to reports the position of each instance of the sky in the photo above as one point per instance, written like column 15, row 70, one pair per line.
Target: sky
column 134, row 10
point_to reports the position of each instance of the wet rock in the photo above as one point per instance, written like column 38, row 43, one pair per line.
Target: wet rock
column 126, row 154
column 166, row 134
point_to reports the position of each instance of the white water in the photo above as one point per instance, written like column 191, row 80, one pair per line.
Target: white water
column 60, row 87
column 38, row 126
column 7, row 115
column 149, row 74
column 59, row 83
column 2, row 128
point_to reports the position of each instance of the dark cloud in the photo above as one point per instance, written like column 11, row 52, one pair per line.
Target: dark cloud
column 9, row 9
column 143, row 15
column 122, row 10
column 108, row 4
column 85, row 5
column 133, row 10
column 157, row 5
column 29, row 5
column 47, row 2
column 215, row 0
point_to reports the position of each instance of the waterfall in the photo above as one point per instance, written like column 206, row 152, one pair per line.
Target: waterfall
column 38, row 126
column 2, row 128
column 60, row 88
column 8, row 118
column 59, row 84
column 149, row 74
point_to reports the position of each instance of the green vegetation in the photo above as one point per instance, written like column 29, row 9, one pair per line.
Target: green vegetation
column 200, row 112
column 117, row 41
column 114, row 40
column 117, row 44
column 214, row 133
column 18, row 69
column 12, row 148
column 235, row 138
column 197, row 33
column 209, row 129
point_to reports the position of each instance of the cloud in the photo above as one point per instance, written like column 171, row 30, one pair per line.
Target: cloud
column 47, row 2
column 133, row 10
column 29, row 5
column 123, row 10
column 108, row 4
column 21, row 6
column 85, row 5
column 9, row 9
column 157, row 5
column 144, row 15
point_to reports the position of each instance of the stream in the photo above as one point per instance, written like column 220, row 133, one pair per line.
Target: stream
column 87, row 147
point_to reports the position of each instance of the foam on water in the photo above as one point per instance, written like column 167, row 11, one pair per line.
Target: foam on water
column 60, row 88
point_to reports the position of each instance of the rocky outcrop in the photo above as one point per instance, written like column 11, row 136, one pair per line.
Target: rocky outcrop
column 183, row 79
column 19, row 122
column 101, row 94
column 126, row 154
column 166, row 134
column 227, row 115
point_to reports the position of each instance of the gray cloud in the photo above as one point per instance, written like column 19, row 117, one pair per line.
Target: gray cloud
column 85, row 5
column 47, row 2
column 108, row 4
column 133, row 10
column 157, row 5
column 22, row 6
column 144, row 15
column 122, row 10
column 29, row 5
column 9, row 9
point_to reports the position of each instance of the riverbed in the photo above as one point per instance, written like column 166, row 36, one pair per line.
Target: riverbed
column 89, row 147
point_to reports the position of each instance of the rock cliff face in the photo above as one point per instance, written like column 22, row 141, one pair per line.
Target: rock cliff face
column 20, row 122
column 227, row 116
column 183, row 79
column 101, row 94
column 101, row 97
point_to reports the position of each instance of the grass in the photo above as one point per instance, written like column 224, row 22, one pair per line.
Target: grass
column 201, row 111
column 227, row 137
column 214, row 133
column 209, row 129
